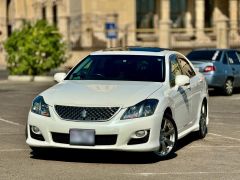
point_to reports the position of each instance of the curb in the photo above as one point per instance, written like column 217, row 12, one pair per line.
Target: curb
column 43, row 79
column 24, row 78
column 20, row 78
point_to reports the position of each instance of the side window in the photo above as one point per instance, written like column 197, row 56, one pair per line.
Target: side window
column 233, row 58
column 238, row 55
column 186, row 68
column 174, row 71
column 225, row 59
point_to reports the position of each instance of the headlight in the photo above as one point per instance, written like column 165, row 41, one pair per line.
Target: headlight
column 142, row 109
column 40, row 107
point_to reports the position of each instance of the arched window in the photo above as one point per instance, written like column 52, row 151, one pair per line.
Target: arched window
column 55, row 14
column 145, row 13
column 178, row 9
column 44, row 15
column 9, row 17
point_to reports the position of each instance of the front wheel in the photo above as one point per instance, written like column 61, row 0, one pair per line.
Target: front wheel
column 167, row 139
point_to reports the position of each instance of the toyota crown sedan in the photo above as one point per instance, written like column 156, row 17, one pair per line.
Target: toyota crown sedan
column 127, row 99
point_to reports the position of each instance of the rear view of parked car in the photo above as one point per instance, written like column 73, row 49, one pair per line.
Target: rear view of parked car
column 221, row 67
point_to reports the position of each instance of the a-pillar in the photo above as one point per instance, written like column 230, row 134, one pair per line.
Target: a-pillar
column 164, row 24
column 233, row 15
column 200, row 21
column 189, row 17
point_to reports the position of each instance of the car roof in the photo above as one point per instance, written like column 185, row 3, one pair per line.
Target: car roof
column 213, row 49
column 134, row 50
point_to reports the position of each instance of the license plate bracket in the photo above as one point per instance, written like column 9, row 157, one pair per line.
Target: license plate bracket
column 83, row 137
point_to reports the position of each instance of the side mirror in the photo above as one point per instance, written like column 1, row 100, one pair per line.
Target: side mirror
column 196, row 69
column 182, row 80
column 59, row 76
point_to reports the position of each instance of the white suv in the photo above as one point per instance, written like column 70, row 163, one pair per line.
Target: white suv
column 130, row 99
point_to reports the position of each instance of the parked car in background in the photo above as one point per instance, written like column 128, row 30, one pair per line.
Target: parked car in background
column 129, row 99
column 221, row 67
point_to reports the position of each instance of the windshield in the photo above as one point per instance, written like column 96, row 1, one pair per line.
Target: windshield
column 213, row 55
column 120, row 67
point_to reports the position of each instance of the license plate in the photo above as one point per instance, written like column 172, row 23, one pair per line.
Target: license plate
column 83, row 137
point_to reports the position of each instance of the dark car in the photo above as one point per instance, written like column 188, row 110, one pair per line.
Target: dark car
column 221, row 67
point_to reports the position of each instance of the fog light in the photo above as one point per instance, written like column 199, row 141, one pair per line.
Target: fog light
column 35, row 130
column 141, row 133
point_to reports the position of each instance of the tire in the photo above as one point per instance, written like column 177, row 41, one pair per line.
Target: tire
column 228, row 87
column 203, row 129
column 167, row 139
column 26, row 132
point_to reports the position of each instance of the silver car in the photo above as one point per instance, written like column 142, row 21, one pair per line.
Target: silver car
column 221, row 67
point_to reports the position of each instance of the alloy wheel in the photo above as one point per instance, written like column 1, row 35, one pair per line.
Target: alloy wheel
column 167, row 138
column 228, row 87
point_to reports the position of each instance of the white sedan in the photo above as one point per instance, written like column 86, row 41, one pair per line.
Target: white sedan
column 129, row 99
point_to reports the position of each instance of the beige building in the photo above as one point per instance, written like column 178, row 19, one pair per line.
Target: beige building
column 178, row 24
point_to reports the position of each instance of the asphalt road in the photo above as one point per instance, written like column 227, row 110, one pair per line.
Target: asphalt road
column 215, row 157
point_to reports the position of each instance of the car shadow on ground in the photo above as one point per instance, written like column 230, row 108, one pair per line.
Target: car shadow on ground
column 218, row 92
column 108, row 157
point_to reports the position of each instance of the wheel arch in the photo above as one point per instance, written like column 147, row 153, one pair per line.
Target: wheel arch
column 230, row 77
column 169, row 113
column 205, row 102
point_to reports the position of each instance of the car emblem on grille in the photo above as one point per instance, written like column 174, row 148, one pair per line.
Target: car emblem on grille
column 84, row 114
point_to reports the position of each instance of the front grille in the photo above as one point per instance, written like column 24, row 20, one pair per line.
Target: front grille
column 86, row 113
column 99, row 139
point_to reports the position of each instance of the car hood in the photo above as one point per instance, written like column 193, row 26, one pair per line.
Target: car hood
column 99, row 93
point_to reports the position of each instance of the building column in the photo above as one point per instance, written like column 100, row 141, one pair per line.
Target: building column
column 217, row 12
column 63, row 20
column 3, row 29
column 222, row 32
column 37, row 10
column 239, row 14
column 20, row 15
column 164, row 24
column 233, row 16
column 3, row 20
column 189, row 17
column 200, row 24
column 49, row 12
column 131, row 27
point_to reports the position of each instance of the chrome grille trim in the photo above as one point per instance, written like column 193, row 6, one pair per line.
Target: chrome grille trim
column 74, row 113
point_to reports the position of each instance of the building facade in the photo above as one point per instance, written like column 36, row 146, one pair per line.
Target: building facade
column 167, row 23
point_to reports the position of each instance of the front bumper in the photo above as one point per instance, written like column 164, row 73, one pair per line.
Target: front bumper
column 124, row 129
